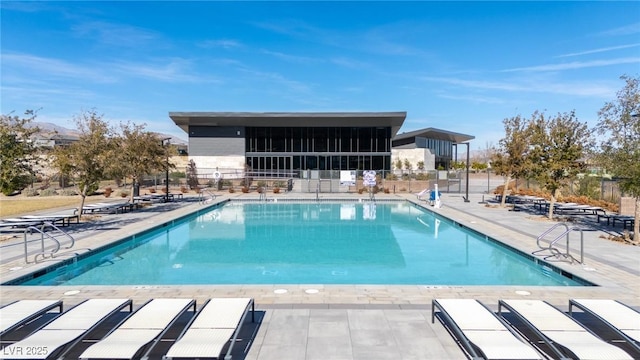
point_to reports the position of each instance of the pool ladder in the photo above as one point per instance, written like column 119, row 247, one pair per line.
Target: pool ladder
column 44, row 253
column 555, row 252
column 202, row 199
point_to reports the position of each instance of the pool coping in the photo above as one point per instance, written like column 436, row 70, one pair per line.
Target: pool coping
column 19, row 280
column 622, row 285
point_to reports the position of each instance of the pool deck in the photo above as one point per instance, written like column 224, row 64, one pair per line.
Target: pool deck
column 352, row 321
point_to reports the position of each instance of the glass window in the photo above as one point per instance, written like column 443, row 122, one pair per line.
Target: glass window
column 335, row 163
column 277, row 139
column 364, row 139
column 311, row 162
column 320, row 140
column 382, row 139
column 261, row 140
column 297, row 139
column 333, row 135
column 377, row 163
column 305, row 140
column 353, row 163
column 345, row 139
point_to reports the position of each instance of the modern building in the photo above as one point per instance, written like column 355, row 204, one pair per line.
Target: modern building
column 288, row 144
column 435, row 147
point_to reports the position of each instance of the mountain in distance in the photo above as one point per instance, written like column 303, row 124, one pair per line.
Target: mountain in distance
column 48, row 129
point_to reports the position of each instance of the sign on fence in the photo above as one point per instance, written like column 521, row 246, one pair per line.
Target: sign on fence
column 369, row 178
column 347, row 178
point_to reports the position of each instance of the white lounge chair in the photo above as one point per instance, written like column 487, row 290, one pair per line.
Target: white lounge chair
column 19, row 225
column 216, row 324
column 619, row 317
column 142, row 329
column 64, row 219
column 566, row 337
column 58, row 336
column 480, row 332
column 21, row 312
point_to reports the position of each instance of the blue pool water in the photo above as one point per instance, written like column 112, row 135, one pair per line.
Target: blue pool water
column 308, row 243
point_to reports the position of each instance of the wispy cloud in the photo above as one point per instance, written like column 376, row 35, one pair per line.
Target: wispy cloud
column 594, row 51
column 172, row 70
column 479, row 84
column 577, row 65
column 543, row 86
column 623, row 30
column 388, row 39
column 278, row 81
column 289, row 27
column 476, row 99
column 115, row 34
column 289, row 57
column 350, row 63
column 54, row 67
column 221, row 43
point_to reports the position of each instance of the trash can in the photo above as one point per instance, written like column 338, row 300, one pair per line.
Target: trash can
column 136, row 189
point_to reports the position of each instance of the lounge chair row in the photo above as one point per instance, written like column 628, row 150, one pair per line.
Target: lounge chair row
column 157, row 197
column 211, row 329
column 108, row 207
column 22, row 222
column 550, row 333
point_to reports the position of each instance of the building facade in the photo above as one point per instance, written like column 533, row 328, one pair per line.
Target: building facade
column 291, row 144
column 434, row 146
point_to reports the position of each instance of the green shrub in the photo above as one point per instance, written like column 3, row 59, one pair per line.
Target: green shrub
column 30, row 192
column 68, row 192
column 48, row 192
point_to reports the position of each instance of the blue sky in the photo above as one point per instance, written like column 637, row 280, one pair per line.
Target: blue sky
column 457, row 66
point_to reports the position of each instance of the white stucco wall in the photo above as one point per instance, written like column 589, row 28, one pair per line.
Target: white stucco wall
column 228, row 166
column 414, row 156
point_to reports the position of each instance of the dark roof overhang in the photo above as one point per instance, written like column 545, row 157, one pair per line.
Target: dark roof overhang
column 290, row 119
column 438, row 134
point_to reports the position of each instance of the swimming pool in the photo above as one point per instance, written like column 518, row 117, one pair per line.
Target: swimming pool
column 389, row 243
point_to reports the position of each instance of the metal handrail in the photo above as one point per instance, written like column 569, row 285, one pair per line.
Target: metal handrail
column 555, row 252
column 201, row 199
column 550, row 230
column 40, row 230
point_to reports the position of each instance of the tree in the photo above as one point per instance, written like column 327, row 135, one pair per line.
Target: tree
column 458, row 165
column 137, row 153
column 619, row 121
column 17, row 156
column 420, row 165
column 86, row 160
column 192, row 175
column 558, row 147
column 478, row 166
column 510, row 158
column 398, row 164
column 408, row 165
